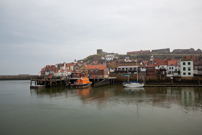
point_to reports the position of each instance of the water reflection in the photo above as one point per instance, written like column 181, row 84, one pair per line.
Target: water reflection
column 106, row 110
column 133, row 90
column 166, row 97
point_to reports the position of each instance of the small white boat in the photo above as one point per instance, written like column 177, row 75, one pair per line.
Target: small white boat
column 133, row 84
column 37, row 86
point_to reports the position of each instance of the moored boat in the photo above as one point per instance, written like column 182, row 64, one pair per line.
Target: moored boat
column 133, row 84
column 82, row 83
column 37, row 86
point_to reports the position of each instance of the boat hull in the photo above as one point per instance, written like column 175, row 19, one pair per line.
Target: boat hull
column 82, row 85
column 133, row 85
column 37, row 86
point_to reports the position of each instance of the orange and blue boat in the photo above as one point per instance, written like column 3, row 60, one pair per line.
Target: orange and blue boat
column 82, row 83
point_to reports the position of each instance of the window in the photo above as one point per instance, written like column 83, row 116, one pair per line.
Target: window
column 189, row 73
column 184, row 68
column 96, row 69
column 184, row 73
column 196, row 62
column 189, row 68
column 171, row 64
column 169, row 67
column 196, row 67
column 183, row 63
column 172, row 67
column 91, row 70
column 189, row 63
column 154, row 62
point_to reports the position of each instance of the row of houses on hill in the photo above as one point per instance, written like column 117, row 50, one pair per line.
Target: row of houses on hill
column 186, row 67
column 75, row 69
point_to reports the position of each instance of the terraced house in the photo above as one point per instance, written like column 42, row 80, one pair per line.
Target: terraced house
column 198, row 66
column 186, row 68
column 173, row 67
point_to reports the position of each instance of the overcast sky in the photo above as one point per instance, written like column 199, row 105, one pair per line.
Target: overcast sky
column 34, row 33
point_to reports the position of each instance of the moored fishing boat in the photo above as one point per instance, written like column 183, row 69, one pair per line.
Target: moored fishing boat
column 82, row 83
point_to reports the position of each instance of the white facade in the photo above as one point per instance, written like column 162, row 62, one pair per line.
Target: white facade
column 186, row 68
column 71, row 67
column 111, row 56
column 172, row 70
column 111, row 69
column 162, row 67
column 126, row 68
column 46, row 73
column 39, row 74
column 143, row 69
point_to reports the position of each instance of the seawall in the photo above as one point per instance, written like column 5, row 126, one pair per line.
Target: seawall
column 18, row 77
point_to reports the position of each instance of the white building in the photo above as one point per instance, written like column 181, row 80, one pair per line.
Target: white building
column 111, row 56
column 186, row 68
column 173, row 67
column 131, row 69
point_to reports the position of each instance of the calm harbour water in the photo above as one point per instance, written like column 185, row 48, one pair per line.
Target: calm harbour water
column 107, row 110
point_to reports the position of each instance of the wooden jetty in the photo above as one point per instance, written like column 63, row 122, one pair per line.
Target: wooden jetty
column 97, row 82
column 50, row 82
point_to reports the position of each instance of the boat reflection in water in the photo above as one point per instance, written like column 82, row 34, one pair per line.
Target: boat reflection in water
column 133, row 90
column 84, row 92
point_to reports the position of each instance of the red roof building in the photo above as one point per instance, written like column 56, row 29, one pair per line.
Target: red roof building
column 151, row 71
column 160, row 62
column 97, row 71
column 173, row 62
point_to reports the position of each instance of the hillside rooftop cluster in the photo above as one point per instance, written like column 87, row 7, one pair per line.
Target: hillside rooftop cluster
column 109, row 64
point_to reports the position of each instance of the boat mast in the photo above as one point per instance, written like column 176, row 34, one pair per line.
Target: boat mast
column 137, row 69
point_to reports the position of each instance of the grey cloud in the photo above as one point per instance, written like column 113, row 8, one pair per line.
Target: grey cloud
column 40, row 28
